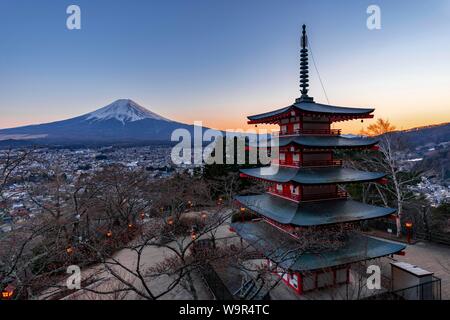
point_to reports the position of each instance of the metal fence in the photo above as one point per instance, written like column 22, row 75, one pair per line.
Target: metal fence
column 424, row 291
column 417, row 233
column 438, row 237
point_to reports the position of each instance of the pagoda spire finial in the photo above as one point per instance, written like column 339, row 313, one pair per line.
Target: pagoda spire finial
column 304, row 68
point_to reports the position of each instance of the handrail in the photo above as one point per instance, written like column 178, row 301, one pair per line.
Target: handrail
column 311, row 163
column 275, row 192
column 308, row 131
column 312, row 197
column 325, row 196
column 435, row 292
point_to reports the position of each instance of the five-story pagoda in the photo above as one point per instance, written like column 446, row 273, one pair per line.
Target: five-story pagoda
column 304, row 193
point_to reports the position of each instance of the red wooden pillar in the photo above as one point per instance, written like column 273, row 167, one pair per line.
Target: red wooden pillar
column 290, row 128
column 289, row 158
column 286, row 189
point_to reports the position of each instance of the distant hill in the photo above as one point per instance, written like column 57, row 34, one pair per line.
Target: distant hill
column 422, row 136
column 432, row 145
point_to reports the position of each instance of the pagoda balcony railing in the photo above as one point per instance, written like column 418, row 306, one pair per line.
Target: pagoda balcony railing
column 286, row 163
column 312, row 163
column 288, row 195
column 322, row 163
column 325, row 196
column 309, row 197
column 333, row 132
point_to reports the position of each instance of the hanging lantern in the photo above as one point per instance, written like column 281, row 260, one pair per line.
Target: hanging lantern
column 170, row 221
column 109, row 234
column 142, row 215
column 242, row 209
column 409, row 226
column 204, row 215
column 193, row 235
column 69, row 250
column 8, row 292
column 130, row 225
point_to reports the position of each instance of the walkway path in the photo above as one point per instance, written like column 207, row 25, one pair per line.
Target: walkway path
column 431, row 257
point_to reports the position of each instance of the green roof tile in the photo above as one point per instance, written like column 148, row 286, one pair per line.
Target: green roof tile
column 312, row 107
column 289, row 253
column 312, row 176
column 312, row 213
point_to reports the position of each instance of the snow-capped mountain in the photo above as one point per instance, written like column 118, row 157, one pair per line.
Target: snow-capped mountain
column 124, row 110
column 121, row 121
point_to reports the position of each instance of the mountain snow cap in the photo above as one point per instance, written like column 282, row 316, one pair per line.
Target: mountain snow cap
column 124, row 110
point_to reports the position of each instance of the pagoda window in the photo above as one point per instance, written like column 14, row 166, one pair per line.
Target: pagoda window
column 296, row 157
column 316, row 119
column 316, row 125
column 296, row 126
column 279, row 187
column 319, row 189
column 283, row 129
column 282, row 156
column 284, row 121
column 295, row 190
column 317, row 159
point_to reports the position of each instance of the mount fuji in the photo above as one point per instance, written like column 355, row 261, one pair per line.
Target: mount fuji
column 122, row 121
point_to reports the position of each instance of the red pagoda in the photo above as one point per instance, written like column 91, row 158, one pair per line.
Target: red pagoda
column 304, row 190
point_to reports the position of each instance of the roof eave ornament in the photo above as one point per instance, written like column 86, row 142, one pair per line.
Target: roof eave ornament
column 304, row 69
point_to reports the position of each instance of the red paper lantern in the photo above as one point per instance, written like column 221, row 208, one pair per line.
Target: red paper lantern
column 8, row 292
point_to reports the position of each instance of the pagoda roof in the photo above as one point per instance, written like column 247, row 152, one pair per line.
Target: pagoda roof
column 312, row 213
column 288, row 253
column 312, row 176
column 311, row 107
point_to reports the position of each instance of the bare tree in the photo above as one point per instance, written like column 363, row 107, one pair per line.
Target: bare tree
column 399, row 181
column 10, row 162
column 177, row 224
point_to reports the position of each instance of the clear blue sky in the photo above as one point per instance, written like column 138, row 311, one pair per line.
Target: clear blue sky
column 218, row 61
